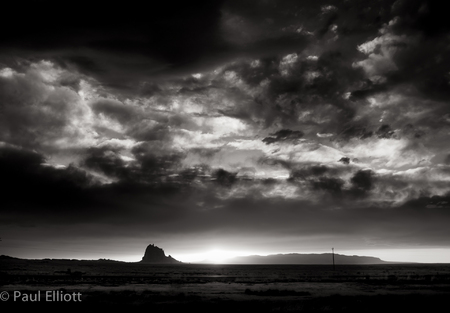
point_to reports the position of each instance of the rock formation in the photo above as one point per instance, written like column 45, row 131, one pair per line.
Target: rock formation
column 154, row 254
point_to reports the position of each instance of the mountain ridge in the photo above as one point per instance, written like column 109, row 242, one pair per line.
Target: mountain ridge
column 305, row 258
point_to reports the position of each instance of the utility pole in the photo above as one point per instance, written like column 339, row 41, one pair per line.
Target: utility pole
column 332, row 252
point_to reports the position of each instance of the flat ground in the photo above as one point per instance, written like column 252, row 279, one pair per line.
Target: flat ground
column 114, row 286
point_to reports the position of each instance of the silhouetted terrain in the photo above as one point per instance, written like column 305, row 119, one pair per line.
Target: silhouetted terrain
column 160, row 283
column 296, row 258
column 154, row 254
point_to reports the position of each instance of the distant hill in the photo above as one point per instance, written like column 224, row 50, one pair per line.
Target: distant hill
column 152, row 255
column 297, row 258
column 156, row 255
column 7, row 257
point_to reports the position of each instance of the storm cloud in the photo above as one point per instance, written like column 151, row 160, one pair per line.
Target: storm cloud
column 278, row 121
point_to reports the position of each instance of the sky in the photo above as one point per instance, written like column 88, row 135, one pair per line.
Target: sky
column 221, row 128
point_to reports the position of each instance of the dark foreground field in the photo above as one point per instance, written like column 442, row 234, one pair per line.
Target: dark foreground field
column 113, row 286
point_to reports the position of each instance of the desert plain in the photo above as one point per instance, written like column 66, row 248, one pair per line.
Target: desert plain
column 105, row 285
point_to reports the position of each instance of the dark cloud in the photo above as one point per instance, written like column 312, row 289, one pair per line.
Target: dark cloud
column 310, row 171
column 332, row 185
column 40, row 194
column 334, row 180
column 447, row 159
column 367, row 89
column 224, row 177
column 14, row 159
column 417, row 34
column 106, row 160
column 30, row 186
column 283, row 135
column 426, row 16
column 410, row 131
column 118, row 45
column 296, row 84
column 385, row 132
column 132, row 29
column 344, row 160
column 362, row 182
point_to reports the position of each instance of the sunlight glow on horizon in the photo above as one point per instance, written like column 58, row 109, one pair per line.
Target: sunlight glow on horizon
column 419, row 255
column 221, row 255
column 214, row 256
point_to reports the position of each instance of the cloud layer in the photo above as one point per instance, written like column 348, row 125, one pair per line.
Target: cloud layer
column 273, row 121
